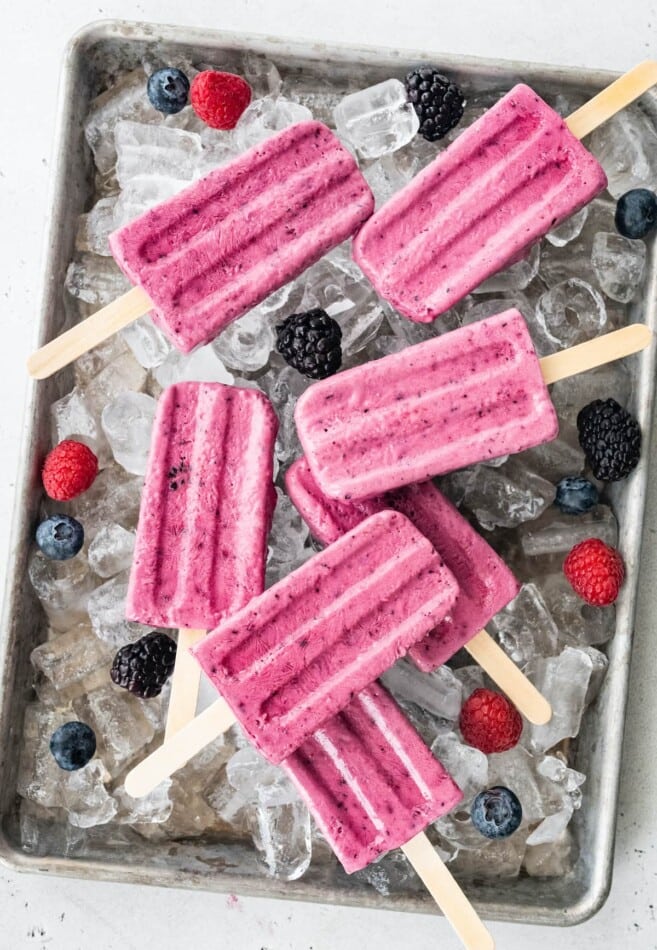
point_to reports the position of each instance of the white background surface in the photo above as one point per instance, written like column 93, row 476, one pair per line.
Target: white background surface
column 38, row 912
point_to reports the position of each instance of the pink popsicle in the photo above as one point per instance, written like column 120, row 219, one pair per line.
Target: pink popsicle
column 220, row 246
column 206, row 507
column 507, row 180
column 473, row 394
column 369, row 780
column 486, row 584
column 295, row 655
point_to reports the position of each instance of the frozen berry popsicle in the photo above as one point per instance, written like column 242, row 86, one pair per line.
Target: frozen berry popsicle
column 468, row 396
column 216, row 249
column 297, row 653
column 507, row 180
column 205, row 515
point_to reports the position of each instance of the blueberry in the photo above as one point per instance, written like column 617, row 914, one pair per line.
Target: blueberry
column 636, row 213
column 60, row 537
column 496, row 813
column 73, row 745
column 168, row 90
column 575, row 495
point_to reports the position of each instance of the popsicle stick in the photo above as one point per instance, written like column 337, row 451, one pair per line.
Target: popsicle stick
column 611, row 100
column 509, row 678
column 84, row 336
column 185, row 683
column 447, row 894
column 179, row 749
column 603, row 349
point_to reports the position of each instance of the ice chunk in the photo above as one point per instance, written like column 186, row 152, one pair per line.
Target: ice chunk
column 282, row 834
column 73, row 418
column 111, row 550
column 550, row 860
column 288, row 540
column 246, row 344
column 95, row 227
column 149, row 345
column 113, row 498
column 619, row 265
column 85, row 797
column 387, row 175
column 626, row 147
column 440, row 692
column 505, row 496
column 126, row 99
column 579, row 623
column 569, row 313
column 155, row 151
column 127, row 422
column 378, row 119
column 516, row 277
column 106, row 608
column 261, row 74
column 154, row 808
column 569, row 229
column 39, row 776
column 554, row 534
column 564, row 681
column 63, row 587
column 265, row 117
column 96, row 280
column 201, row 365
column 120, row 374
column 122, row 729
column 71, row 656
column 467, row 765
column 525, row 627
column 141, row 193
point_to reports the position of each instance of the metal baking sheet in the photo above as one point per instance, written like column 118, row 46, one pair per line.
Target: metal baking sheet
column 93, row 58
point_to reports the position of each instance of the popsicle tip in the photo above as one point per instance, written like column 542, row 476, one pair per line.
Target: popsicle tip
column 540, row 712
column 35, row 367
column 136, row 785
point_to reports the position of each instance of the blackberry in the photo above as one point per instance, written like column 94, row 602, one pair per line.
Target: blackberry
column 310, row 342
column 144, row 667
column 439, row 103
column 611, row 439
column 496, row 812
column 73, row 745
column 168, row 90
column 636, row 213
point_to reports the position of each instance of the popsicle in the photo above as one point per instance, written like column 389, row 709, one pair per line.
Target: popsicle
column 372, row 785
column 486, row 584
column 216, row 249
column 297, row 653
column 468, row 396
column 509, row 178
column 204, row 519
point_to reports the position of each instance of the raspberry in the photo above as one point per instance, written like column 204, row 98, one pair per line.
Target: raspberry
column 69, row 469
column 595, row 572
column 489, row 722
column 219, row 98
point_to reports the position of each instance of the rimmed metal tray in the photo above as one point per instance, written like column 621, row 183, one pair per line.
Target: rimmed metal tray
column 94, row 56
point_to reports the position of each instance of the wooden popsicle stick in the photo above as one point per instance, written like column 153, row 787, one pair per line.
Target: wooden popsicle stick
column 611, row 100
column 511, row 680
column 84, row 336
column 447, row 894
column 179, row 749
column 603, row 349
column 185, row 683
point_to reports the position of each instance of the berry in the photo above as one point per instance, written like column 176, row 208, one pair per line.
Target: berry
column 611, row 439
column 310, row 342
column 439, row 103
column 168, row 90
column 73, row 745
column 496, row 812
column 69, row 469
column 144, row 667
column 490, row 722
column 636, row 213
column 219, row 98
column 60, row 537
column 595, row 571
column 575, row 495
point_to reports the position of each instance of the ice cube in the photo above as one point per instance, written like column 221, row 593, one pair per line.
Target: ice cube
column 554, row 534
column 142, row 193
column 619, row 265
column 515, row 277
column 126, row 99
column 122, row 729
column 85, row 797
column 113, row 498
column 440, row 692
column 246, row 344
column 525, row 627
column 71, row 656
column 387, row 175
column 569, row 229
column 506, row 496
column 564, row 681
column 377, row 120
column 96, row 280
column 569, row 313
column 579, row 624
column 288, row 539
column 516, row 769
column 155, row 150
column 39, row 776
column 282, row 833
column 550, row 860
column 127, row 422
column 264, row 117
column 63, row 587
column 149, row 345
column 498, row 860
column 106, row 607
column 467, row 765
column 202, row 365
column 261, row 74
column 154, row 808
column 73, row 418
column 556, row 458
column 474, row 309
column 111, row 550
column 626, row 147
column 91, row 363
column 120, row 374
column 95, row 227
